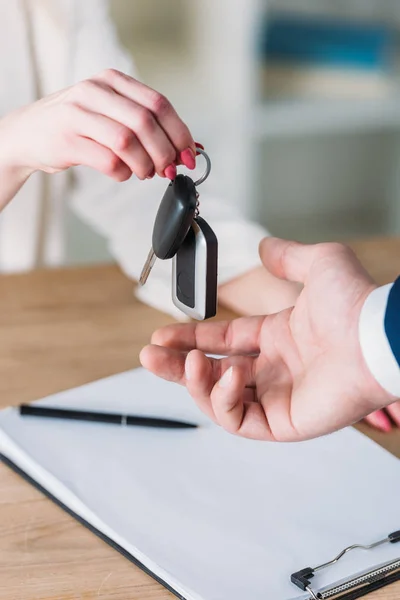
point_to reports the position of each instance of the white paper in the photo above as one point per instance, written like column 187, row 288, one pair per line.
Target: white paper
column 215, row 516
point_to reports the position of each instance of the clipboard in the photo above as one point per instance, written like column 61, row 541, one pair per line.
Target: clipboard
column 172, row 502
column 356, row 586
column 351, row 588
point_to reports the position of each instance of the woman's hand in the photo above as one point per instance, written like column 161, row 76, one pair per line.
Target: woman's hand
column 294, row 375
column 385, row 420
column 110, row 122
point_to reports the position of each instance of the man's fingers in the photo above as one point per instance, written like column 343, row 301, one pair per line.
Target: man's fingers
column 227, row 400
column 194, row 370
column 227, row 337
column 236, row 408
column 287, row 259
column 200, row 381
column 166, row 363
column 294, row 261
column 224, row 389
column 170, row 364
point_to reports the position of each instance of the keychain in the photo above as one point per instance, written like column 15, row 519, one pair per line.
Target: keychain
column 181, row 234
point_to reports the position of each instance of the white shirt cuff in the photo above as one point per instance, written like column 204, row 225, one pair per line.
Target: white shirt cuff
column 375, row 346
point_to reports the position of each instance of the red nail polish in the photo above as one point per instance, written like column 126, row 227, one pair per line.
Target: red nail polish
column 188, row 158
column 170, row 172
column 151, row 174
column 198, row 145
column 383, row 422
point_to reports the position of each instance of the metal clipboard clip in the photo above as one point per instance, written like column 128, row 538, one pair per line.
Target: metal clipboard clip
column 356, row 586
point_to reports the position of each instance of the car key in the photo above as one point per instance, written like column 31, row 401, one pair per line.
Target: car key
column 195, row 272
column 174, row 218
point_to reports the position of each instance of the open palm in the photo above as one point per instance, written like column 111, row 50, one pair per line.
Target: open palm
column 289, row 376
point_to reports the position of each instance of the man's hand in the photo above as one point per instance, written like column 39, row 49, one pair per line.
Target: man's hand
column 290, row 376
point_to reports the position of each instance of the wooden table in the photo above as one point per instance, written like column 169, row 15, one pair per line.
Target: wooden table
column 60, row 329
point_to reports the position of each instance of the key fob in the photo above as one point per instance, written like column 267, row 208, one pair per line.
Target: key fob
column 174, row 217
column 195, row 272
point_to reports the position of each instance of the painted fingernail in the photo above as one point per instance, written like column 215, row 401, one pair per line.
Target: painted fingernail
column 188, row 158
column 170, row 172
column 187, row 367
column 151, row 174
column 226, row 378
column 198, row 145
column 383, row 422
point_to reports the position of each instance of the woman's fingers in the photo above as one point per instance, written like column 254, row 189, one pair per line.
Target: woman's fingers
column 97, row 97
column 117, row 137
column 136, row 129
column 91, row 154
column 379, row 420
column 159, row 106
column 394, row 412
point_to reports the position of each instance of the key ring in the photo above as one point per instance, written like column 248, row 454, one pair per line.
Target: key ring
column 208, row 167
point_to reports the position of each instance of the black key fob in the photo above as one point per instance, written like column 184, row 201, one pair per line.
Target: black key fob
column 174, row 217
column 195, row 272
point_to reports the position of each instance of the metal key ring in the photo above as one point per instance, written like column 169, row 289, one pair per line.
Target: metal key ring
column 208, row 167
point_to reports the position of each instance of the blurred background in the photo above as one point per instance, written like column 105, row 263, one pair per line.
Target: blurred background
column 297, row 102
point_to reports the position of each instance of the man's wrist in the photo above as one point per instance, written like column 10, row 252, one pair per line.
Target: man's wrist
column 375, row 342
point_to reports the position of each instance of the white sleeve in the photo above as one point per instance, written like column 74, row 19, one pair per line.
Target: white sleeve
column 377, row 332
column 124, row 212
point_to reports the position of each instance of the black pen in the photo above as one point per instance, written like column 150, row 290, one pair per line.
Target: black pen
column 98, row 417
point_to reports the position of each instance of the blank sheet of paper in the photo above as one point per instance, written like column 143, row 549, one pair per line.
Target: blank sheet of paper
column 215, row 516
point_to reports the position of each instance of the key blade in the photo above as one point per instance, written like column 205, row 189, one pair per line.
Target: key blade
column 148, row 265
